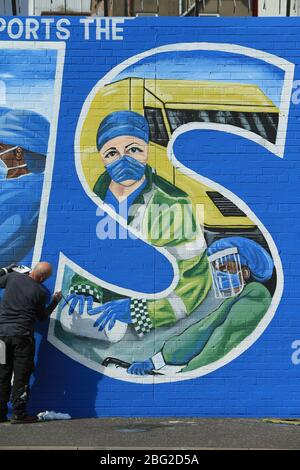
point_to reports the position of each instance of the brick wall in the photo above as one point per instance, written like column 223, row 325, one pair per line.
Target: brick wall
column 205, row 112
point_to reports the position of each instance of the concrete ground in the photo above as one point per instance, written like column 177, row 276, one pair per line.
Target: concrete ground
column 151, row 433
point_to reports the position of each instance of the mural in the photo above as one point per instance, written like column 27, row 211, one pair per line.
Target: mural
column 158, row 173
column 130, row 135
column 24, row 138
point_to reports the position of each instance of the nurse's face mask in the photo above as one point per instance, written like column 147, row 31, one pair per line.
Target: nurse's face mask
column 126, row 168
column 8, row 158
column 226, row 271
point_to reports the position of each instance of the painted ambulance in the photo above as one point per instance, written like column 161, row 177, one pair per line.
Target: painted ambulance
column 168, row 104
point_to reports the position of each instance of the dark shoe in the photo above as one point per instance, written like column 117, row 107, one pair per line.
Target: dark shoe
column 24, row 419
column 3, row 419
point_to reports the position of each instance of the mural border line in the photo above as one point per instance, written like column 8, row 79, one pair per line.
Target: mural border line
column 277, row 149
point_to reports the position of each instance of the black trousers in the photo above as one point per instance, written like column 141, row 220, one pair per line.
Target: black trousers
column 19, row 364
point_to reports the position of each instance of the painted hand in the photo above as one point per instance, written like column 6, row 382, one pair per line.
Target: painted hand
column 141, row 368
column 110, row 312
column 81, row 300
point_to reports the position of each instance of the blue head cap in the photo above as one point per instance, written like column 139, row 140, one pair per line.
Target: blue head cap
column 25, row 129
column 122, row 123
column 252, row 255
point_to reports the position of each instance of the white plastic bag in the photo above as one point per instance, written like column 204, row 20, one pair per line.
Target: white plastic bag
column 52, row 415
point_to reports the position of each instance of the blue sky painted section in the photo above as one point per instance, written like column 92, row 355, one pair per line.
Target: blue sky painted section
column 210, row 65
column 30, row 83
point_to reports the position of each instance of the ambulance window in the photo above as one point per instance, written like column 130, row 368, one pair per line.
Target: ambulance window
column 158, row 131
column 225, row 206
column 262, row 124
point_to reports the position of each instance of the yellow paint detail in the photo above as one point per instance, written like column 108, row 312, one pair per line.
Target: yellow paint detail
column 151, row 101
column 136, row 93
column 189, row 94
column 220, row 107
column 212, row 216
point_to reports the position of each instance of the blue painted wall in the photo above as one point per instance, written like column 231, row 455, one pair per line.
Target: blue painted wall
column 57, row 78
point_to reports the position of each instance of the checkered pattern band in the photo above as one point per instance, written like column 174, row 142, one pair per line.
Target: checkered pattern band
column 140, row 317
column 86, row 289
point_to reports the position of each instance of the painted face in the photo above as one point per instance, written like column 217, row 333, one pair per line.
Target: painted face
column 227, row 275
column 231, row 267
column 12, row 162
column 133, row 150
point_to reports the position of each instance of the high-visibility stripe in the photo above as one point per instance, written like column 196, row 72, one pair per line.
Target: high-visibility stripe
column 177, row 305
column 158, row 361
column 138, row 217
column 188, row 250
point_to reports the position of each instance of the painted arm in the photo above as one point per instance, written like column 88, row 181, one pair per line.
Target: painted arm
column 211, row 338
column 189, row 250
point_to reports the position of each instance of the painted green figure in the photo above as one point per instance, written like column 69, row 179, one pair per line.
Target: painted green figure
column 213, row 337
column 238, row 264
column 162, row 213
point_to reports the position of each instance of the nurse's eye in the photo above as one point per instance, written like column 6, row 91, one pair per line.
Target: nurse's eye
column 222, row 268
column 135, row 150
column 111, row 154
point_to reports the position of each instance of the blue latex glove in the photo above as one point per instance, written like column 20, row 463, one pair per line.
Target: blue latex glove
column 73, row 299
column 112, row 311
column 141, row 368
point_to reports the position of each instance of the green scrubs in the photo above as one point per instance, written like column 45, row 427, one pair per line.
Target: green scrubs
column 214, row 336
column 164, row 208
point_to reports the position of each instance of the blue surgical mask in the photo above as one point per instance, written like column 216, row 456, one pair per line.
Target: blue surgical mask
column 228, row 280
column 126, row 168
column 4, row 168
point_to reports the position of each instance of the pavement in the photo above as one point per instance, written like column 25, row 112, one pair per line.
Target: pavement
column 150, row 433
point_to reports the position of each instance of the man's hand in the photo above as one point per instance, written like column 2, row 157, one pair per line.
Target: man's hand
column 7, row 269
column 11, row 267
column 57, row 296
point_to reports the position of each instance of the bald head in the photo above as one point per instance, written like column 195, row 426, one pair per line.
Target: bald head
column 41, row 271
